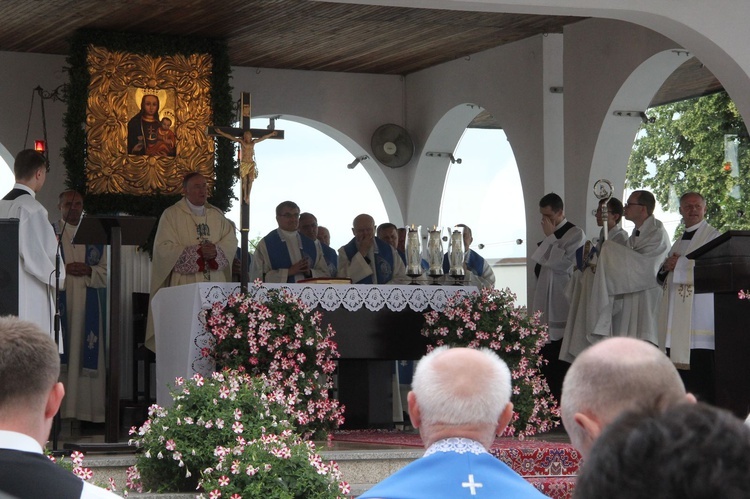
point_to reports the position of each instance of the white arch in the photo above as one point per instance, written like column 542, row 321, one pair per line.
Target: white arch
column 8, row 159
column 617, row 134
column 431, row 171
column 377, row 175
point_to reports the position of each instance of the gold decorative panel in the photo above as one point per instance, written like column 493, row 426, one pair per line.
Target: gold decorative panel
column 146, row 119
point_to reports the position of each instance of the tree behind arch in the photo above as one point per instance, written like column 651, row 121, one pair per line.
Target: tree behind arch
column 683, row 150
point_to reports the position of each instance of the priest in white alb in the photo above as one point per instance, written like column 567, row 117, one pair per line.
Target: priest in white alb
column 194, row 242
column 83, row 317
column 37, row 244
column 625, row 296
column 686, row 319
column 575, row 339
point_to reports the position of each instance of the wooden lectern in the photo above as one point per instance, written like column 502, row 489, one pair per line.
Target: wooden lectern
column 114, row 231
column 722, row 267
column 9, row 266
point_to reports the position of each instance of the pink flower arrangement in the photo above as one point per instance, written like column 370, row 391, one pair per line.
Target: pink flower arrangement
column 282, row 339
column 491, row 320
column 274, row 466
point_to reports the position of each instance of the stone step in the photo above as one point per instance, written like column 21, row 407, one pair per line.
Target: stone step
column 361, row 469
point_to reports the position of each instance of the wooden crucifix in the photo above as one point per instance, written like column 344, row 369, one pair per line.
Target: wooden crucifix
column 246, row 137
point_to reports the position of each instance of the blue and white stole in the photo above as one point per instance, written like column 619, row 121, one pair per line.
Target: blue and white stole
column 332, row 259
column 92, row 323
column 475, row 263
column 383, row 261
column 278, row 254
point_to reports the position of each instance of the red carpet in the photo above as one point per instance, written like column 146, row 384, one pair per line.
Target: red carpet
column 550, row 467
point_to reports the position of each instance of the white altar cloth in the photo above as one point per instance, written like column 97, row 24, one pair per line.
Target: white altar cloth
column 181, row 334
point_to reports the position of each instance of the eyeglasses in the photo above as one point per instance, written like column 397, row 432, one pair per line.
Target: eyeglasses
column 290, row 215
column 634, row 204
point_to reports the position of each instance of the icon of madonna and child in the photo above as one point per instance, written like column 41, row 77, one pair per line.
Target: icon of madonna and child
column 150, row 130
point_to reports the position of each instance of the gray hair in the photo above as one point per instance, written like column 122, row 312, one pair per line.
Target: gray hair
column 460, row 394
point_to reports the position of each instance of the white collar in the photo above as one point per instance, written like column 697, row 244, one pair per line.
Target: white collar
column 696, row 226
column 19, row 441
column 456, row 444
column 197, row 210
column 26, row 188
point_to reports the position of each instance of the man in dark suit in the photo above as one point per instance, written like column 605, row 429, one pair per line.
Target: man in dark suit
column 30, row 396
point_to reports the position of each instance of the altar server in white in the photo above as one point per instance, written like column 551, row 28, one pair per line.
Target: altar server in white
column 629, row 273
column 194, row 243
column 579, row 322
column 37, row 243
column 83, row 317
column 460, row 400
column 555, row 259
column 686, row 319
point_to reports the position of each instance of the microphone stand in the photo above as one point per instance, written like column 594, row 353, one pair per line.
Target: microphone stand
column 57, row 420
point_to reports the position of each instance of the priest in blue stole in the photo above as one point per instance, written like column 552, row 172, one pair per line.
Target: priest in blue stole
column 331, row 255
column 460, row 400
column 476, row 267
column 285, row 255
column 367, row 259
column 83, row 314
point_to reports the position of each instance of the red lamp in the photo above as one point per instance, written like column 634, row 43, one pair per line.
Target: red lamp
column 40, row 146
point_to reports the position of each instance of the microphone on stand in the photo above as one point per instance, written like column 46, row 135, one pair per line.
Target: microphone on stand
column 58, row 259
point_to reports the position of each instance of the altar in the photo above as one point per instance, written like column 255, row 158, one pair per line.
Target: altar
column 372, row 323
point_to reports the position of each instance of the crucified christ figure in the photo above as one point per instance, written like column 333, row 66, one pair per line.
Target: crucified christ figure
column 248, row 170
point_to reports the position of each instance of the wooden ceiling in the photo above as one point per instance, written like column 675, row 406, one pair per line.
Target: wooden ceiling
column 303, row 34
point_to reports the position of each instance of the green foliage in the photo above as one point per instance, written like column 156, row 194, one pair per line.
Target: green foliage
column 491, row 320
column 178, row 444
column 274, row 467
column 686, row 145
column 76, row 93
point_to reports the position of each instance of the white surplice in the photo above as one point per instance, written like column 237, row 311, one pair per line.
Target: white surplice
column 37, row 245
column 263, row 270
column 629, row 273
column 557, row 258
column 575, row 339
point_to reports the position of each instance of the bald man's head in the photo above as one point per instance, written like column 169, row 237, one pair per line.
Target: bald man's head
column 612, row 376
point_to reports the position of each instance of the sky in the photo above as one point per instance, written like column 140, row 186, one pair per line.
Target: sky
column 309, row 168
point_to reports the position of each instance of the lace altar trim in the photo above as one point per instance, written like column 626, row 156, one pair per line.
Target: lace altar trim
column 456, row 444
column 351, row 297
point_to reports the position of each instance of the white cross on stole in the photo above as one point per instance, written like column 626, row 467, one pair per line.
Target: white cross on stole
column 473, row 486
column 91, row 339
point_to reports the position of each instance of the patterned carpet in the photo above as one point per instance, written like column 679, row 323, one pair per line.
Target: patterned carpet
column 550, row 466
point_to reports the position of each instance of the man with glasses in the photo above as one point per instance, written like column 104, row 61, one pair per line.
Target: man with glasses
column 629, row 273
column 37, row 243
column 285, row 255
